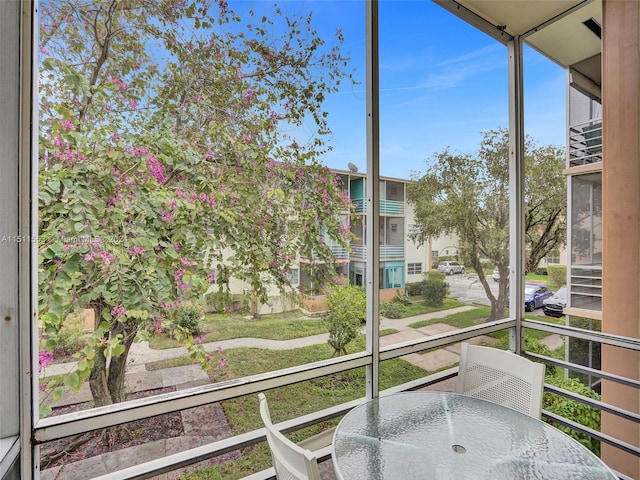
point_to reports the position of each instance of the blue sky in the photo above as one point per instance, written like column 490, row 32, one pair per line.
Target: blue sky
column 442, row 83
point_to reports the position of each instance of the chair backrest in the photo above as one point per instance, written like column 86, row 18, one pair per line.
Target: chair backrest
column 501, row 377
column 290, row 461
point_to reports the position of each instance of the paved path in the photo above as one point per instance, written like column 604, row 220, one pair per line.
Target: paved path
column 140, row 353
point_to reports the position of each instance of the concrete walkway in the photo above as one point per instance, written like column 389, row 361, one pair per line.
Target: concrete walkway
column 140, row 353
column 208, row 423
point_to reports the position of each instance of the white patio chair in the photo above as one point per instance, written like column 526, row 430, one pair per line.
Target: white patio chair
column 291, row 462
column 501, row 377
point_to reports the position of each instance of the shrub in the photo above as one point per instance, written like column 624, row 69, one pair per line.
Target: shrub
column 435, row 291
column 542, row 271
column 571, row 409
column 402, row 300
column 187, row 318
column 392, row 310
column 216, row 302
column 436, row 275
column 415, row 289
column 533, row 345
column 558, row 274
column 68, row 340
column 347, row 312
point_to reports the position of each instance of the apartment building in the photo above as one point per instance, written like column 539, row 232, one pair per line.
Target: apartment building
column 402, row 259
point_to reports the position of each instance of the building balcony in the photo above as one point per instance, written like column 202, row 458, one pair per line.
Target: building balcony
column 585, row 143
column 387, row 207
column 387, row 252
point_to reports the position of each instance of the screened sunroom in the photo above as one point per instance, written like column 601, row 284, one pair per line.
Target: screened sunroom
column 133, row 134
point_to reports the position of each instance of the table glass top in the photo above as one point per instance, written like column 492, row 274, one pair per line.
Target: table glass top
column 439, row 435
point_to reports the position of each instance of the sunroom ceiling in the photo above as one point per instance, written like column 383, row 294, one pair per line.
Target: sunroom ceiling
column 553, row 27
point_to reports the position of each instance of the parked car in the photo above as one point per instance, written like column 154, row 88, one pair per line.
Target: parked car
column 554, row 305
column 496, row 274
column 535, row 295
column 449, row 268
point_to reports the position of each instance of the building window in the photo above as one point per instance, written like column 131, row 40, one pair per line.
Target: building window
column 414, row 268
column 294, row 276
column 553, row 257
column 434, row 253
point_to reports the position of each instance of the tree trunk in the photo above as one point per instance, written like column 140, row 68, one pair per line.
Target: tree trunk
column 106, row 379
column 98, row 375
column 118, row 365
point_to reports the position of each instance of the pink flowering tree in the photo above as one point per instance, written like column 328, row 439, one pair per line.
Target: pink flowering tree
column 167, row 128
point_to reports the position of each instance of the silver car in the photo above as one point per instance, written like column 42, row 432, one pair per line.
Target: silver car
column 449, row 268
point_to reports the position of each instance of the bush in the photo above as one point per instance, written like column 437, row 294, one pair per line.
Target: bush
column 541, row 271
column 436, row 275
column 402, row 300
column 347, row 312
column 415, row 289
column 187, row 318
column 392, row 310
column 435, row 291
column 532, row 345
column 68, row 340
column 217, row 302
column 573, row 410
column 558, row 274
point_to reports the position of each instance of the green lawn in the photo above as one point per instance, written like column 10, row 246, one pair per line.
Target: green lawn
column 282, row 326
column 418, row 307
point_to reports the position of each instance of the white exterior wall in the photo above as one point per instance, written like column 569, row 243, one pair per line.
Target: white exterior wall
column 413, row 252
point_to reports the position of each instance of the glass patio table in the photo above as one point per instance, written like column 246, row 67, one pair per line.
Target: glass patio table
column 441, row 435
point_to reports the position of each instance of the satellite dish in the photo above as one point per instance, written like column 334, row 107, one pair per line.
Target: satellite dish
column 352, row 167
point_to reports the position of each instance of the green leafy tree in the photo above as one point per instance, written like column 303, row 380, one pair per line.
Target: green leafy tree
column 347, row 312
column 167, row 128
column 468, row 195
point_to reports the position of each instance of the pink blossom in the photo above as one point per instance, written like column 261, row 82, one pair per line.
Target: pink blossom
column 118, row 311
column 139, row 151
column 166, row 216
column 44, row 359
column 177, row 247
column 44, row 51
column 59, row 142
column 90, row 257
column 121, row 85
column 115, row 137
column 67, row 125
column 156, row 168
column 133, row 104
column 212, row 276
column 198, row 340
column 106, row 257
column 137, row 250
column 172, row 204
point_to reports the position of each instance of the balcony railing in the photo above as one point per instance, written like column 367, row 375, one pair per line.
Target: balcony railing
column 585, row 143
column 359, row 251
column 387, row 207
column 64, row 426
column 339, row 253
column 586, row 287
